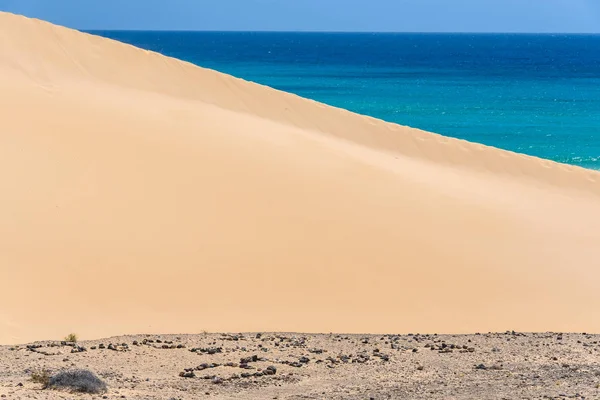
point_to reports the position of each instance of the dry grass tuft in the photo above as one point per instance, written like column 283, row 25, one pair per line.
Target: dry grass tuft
column 71, row 338
column 41, row 376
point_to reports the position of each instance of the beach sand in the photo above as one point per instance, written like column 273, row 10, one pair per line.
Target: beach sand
column 142, row 194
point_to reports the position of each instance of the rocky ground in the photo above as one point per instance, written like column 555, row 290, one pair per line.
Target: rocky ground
column 509, row 365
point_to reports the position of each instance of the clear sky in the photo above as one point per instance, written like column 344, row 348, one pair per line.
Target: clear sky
column 319, row 15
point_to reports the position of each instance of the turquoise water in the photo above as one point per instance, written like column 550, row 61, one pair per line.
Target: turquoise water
column 534, row 94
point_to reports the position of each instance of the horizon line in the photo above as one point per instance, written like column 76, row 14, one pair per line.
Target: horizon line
column 339, row 32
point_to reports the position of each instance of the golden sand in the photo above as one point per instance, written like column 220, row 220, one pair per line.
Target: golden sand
column 144, row 194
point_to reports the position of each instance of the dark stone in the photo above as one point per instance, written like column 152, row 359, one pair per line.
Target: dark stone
column 271, row 370
column 247, row 360
column 211, row 350
column 202, row 367
column 78, row 349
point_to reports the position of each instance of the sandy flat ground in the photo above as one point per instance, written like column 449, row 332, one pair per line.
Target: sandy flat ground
column 144, row 194
column 508, row 365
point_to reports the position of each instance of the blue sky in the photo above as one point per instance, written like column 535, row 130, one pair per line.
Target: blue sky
column 319, row 15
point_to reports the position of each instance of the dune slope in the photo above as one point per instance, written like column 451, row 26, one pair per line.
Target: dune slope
column 144, row 194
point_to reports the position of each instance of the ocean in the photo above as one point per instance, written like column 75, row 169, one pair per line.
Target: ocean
column 533, row 94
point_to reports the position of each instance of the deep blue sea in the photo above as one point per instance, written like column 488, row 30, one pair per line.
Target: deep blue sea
column 535, row 94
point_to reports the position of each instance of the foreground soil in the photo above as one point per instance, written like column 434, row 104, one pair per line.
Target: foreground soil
column 507, row 365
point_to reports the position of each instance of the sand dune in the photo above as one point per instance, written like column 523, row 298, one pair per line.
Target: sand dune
column 143, row 194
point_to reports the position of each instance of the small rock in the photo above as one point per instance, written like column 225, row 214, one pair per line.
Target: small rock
column 187, row 374
column 78, row 349
column 271, row 370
